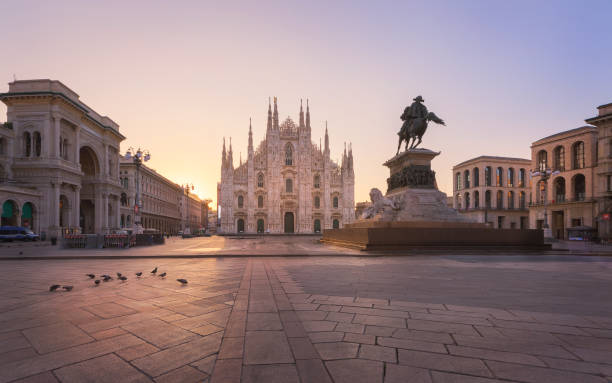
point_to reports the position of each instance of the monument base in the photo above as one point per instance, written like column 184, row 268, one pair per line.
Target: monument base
column 415, row 214
column 379, row 235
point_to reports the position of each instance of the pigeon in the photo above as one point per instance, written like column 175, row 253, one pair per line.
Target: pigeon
column 163, row 275
column 107, row 278
column 97, row 282
column 21, row 253
column 119, row 275
column 54, row 287
column 154, row 271
column 183, row 281
column 138, row 274
column 67, row 288
column 91, row 276
column 123, row 278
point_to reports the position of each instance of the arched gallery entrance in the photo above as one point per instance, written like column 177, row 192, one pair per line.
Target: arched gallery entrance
column 260, row 226
column 241, row 225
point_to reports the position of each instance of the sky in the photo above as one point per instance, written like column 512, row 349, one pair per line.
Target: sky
column 179, row 76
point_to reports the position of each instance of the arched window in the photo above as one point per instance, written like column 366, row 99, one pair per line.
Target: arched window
column 578, row 155
column 336, row 202
column 260, row 201
column 124, row 201
column 289, row 155
column 510, row 180
column 458, row 181
column 37, row 144
column 522, row 200
column 476, row 177
column 559, row 158
column 336, row 223
column 542, row 160
column 476, row 199
column 500, row 200
column 488, row 176
column 317, row 202
column 488, row 199
column 499, row 174
column 510, row 200
column 579, row 187
column 260, row 180
column 559, row 184
column 240, row 202
column 317, row 181
column 521, row 180
column 27, row 144
column 466, row 179
column 289, row 185
column 467, row 201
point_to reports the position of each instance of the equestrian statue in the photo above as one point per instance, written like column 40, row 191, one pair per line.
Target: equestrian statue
column 415, row 117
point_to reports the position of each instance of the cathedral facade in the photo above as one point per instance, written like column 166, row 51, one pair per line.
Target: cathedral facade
column 288, row 184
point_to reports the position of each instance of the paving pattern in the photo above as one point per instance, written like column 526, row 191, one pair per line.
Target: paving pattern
column 317, row 319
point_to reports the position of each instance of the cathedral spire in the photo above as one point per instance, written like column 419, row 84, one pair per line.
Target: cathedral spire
column 275, row 115
column 224, row 159
column 307, row 115
column 230, row 156
column 269, row 115
column 326, row 140
column 250, row 136
column 301, row 114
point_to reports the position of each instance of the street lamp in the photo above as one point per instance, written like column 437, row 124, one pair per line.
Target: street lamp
column 138, row 156
column 545, row 173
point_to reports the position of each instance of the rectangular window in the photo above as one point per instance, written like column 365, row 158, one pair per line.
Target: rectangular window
column 609, row 182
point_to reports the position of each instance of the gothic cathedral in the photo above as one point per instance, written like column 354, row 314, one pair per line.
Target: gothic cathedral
column 288, row 184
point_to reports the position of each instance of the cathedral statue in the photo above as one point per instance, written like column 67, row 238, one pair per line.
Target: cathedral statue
column 415, row 117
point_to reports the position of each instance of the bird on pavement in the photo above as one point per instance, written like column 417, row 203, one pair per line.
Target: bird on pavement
column 67, row 288
column 163, row 275
column 97, row 282
column 54, row 287
column 107, row 278
column 138, row 274
column 119, row 275
column 123, row 278
column 154, row 271
column 183, row 281
column 91, row 276
column 21, row 253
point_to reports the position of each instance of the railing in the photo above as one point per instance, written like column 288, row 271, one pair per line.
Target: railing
column 75, row 241
column 117, row 241
column 580, row 198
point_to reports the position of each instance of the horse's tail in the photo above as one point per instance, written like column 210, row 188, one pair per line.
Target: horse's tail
column 431, row 116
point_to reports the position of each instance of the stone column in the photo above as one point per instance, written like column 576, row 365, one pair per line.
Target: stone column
column 118, row 212
column 77, row 144
column 99, row 212
column 105, row 212
column 55, row 140
column 76, row 211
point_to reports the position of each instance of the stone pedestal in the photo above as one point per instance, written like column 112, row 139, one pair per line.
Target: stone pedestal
column 414, row 213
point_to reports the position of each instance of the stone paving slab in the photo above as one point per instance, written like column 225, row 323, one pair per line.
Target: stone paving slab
column 261, row 320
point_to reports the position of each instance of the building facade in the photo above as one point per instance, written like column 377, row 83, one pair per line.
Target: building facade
column 603, row 172
column 287, row 184
column 493, row 190
column 567, row 197
column 59, row 161
column 161, row 199
column 191, row 212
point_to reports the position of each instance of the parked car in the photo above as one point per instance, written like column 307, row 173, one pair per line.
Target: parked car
column 16, row 233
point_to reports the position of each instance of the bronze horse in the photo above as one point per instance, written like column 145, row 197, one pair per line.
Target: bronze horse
column 415, row 129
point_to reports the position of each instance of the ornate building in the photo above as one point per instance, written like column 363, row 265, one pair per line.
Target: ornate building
column 493, row 190
column 287, row 184
column 59, row 161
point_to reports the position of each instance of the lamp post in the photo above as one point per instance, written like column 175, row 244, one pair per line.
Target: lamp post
column 545, row 173
column 138, row 157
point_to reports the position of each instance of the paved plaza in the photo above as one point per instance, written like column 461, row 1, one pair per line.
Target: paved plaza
column 324, row 318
